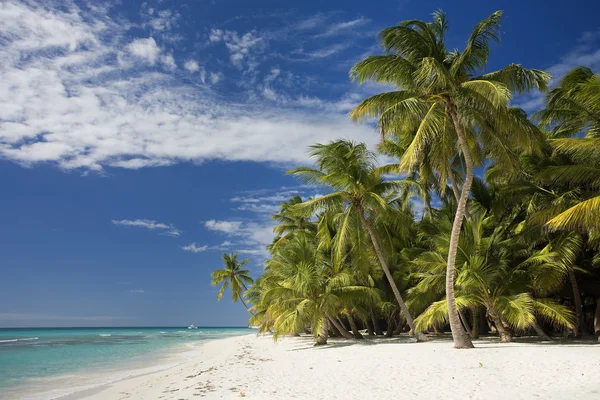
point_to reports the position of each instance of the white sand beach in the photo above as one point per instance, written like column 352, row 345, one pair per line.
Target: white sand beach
column 257, row 368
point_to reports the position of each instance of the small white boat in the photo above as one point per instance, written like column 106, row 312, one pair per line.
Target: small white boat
column 192, row 326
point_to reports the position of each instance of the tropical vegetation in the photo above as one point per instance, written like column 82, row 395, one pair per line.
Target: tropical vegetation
column 488, row 220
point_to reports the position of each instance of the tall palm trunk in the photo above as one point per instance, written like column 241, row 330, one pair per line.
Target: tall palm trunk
column 461, row 338
column 579, row 325
column 389, row 276
column 353, row 325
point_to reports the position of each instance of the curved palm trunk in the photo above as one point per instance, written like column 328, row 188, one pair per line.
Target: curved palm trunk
column 539, row 331
column 341, row 329
column 505, row 335
column 353, row 326
column 461, row 338
column 457, row 193
column 245, row 305
column 579, row 325
column 465, row 321
column 389, row 277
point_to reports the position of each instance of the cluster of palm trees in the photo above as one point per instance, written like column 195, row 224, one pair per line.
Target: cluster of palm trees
column 489, row 219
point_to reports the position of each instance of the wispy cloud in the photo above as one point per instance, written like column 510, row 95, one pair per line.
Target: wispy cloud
column 343, row 27
column 585, row 53
column 193, row 248
column 137, row 291
column 166, row 229
column 78, row 92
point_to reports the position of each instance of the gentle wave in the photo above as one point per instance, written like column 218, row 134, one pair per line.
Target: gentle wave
column 18, row 340
column 105, row 334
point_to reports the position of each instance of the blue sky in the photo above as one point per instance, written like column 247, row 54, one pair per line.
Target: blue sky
column 140, row 140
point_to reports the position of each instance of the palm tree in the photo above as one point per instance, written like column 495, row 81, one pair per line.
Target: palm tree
column 491, row 276
column 573, row 109
column 233, row 276
column 360, row 193
column 449, row 110
column 306, row 289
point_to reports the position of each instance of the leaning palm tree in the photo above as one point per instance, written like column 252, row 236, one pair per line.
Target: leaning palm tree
column 361, row 195
column 233, row 276
column 449, row 111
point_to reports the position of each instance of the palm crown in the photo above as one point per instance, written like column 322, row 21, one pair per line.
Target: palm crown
column 232, row 276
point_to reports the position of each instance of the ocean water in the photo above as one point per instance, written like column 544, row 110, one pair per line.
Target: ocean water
column 45, row 363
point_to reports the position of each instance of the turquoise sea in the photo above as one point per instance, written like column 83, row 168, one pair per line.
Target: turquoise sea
column 48, row 362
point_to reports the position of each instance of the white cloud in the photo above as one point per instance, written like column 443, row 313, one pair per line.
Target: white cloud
column 195, row 249
column 199, row 249
column 145, row 49
column 137, row 291
column 223, row 226
column 168, row 61
column 191, row 66
column 168, row 229
column 87, row 105
column 243, row 49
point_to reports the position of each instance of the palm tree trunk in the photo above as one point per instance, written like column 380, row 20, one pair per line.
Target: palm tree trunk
column 540, row 332
column 464, row 321
column 370, row 329
column 245, row 305
column 503, row 332
column 341, row 329
column 597, row 320
column 461, row 339
column 457, row 193
column 389, row 332
column 376, row 326
column 389, row 276
column 323, row 335
column 399, row 326
column 353, row 325
column 475, row 322
column 579, row 325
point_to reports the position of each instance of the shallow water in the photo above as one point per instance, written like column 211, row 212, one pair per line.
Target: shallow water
column 39, row 359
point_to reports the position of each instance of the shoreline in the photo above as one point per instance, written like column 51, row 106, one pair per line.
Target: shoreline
column 258, row 368
column 97, row 379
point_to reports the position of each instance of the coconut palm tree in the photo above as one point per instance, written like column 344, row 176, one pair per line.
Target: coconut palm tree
column 360, row 191
column 490, row 275
column 572, row 110
column 449, row 110
column 306, row 289
column 233, row 276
